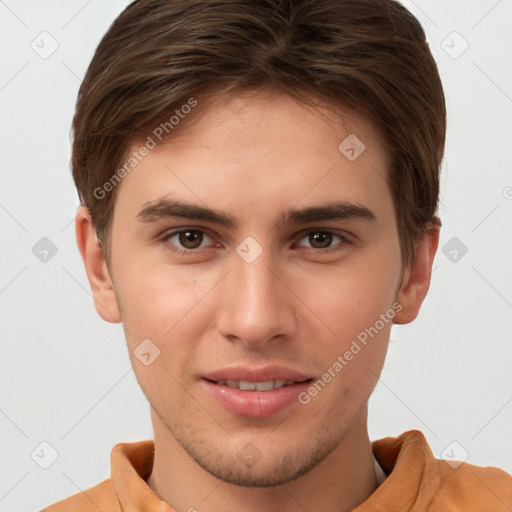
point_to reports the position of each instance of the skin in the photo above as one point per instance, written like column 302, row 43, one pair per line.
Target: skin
column 300, row 304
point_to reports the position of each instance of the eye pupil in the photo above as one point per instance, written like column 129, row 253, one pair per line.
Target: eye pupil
column 321, row 237
column 190, row 239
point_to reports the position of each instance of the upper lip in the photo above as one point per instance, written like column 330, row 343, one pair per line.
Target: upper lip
column 259, row 374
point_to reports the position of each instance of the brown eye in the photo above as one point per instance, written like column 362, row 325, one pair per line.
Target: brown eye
column 187, row 239
column 190, row 239
column 322, row 239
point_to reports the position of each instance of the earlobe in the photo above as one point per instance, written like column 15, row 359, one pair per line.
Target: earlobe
column 416, row 278
column 96, row 268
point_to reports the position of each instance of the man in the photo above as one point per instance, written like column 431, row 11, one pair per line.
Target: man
column 258, row 185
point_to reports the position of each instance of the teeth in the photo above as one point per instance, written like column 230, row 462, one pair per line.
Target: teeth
column 266, row 385
column 263, row 386
column 246, row 386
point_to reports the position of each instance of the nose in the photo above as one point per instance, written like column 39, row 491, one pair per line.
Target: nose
column 258, row 305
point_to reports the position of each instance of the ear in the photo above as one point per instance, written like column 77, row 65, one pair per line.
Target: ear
column 98, row 275
column 416, row 278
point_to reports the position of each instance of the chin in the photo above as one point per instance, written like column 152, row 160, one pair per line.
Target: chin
column 262, row 474
column 250, row 466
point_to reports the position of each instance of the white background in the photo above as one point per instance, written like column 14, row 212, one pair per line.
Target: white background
column 65, row 374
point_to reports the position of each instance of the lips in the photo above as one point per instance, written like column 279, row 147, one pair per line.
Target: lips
column 255, row 392
column 262, row 374
column 265, row 385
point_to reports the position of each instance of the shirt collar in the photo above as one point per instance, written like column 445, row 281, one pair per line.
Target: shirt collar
column 406, row 460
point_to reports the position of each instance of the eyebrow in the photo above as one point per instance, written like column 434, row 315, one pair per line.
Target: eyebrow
column 166, row 207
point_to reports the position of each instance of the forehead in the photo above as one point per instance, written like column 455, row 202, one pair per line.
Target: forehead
column 244, row 148
column 254, row 116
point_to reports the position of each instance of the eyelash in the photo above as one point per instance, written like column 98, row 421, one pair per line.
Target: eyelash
column 168, row 235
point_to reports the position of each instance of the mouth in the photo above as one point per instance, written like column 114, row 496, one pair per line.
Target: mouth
column 265, row 385
column 255, row 393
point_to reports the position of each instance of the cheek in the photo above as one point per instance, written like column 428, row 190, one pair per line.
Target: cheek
column 172, row 309
column 159, row 300
column 348, row 300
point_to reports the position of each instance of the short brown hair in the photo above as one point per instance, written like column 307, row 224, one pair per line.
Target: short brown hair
column 368, row 55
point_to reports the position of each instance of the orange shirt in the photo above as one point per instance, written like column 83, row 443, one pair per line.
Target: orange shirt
column 416, row 482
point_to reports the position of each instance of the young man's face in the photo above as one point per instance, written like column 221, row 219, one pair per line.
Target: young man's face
column 276, row 296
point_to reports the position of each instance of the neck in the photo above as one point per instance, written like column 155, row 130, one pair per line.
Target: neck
column 343, row 480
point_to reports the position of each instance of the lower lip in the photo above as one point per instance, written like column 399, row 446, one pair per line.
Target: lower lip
column 256, row 404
